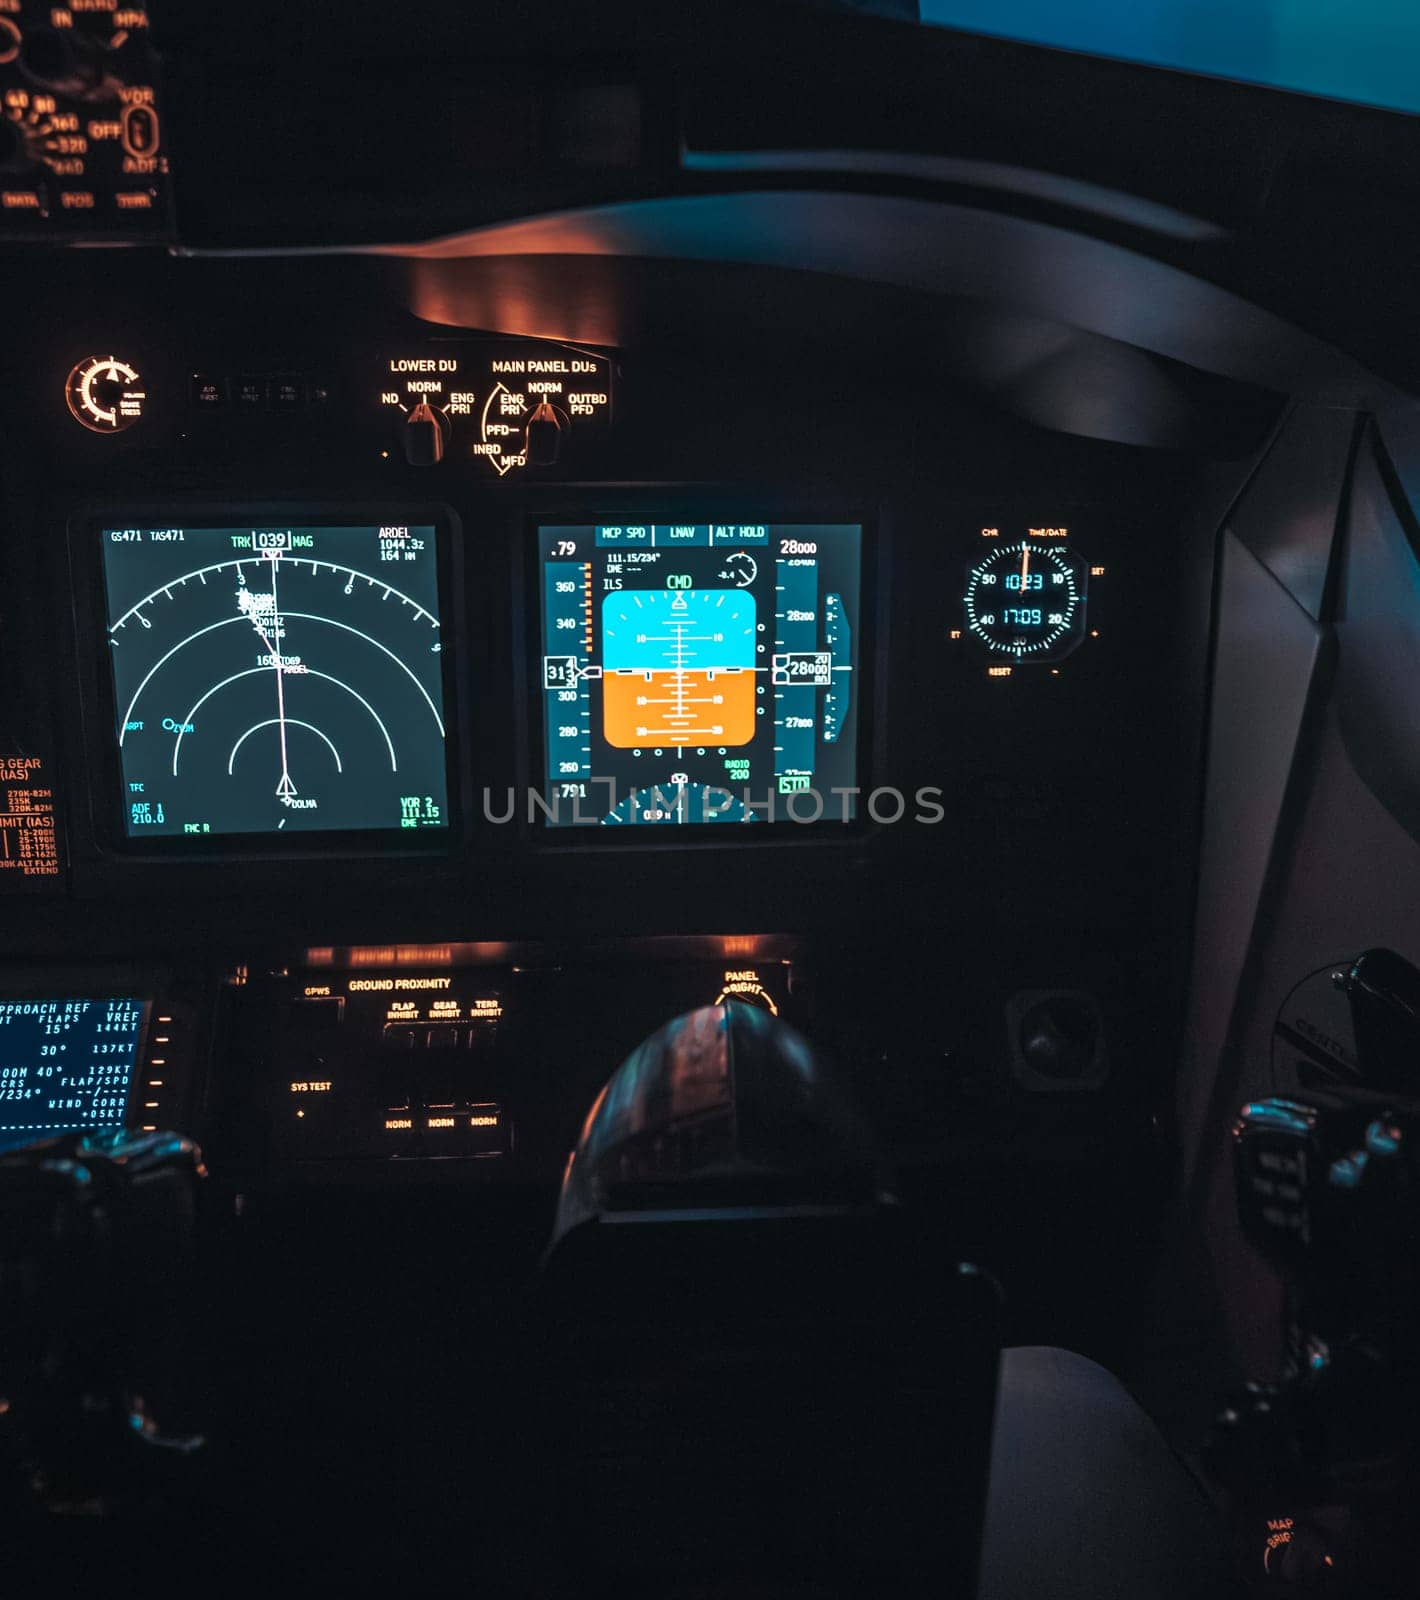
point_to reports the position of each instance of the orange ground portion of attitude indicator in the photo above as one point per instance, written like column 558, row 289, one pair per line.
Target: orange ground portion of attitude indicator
column 678, row 708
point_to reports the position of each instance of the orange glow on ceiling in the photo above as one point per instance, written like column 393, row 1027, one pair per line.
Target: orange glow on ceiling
column 462, row 953
column 534, row 297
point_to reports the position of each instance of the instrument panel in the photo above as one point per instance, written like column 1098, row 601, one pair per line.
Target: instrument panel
column 452, row 729
column 389, row 1059
column 506, row 405
column 66, row 1064
column 699, row 672
column 277, row 679
column 393, row 1065
column 280, row 672
column 301, row 657
column 269, row 671
column 98, row 1047
column 83, row 144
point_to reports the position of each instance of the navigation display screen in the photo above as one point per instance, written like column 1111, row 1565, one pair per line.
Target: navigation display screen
column 64, row 1065
column 698, row 673
column 276, row 679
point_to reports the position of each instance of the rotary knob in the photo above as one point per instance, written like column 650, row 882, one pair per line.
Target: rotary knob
column 66, row 61
column 425, row 434
column 1059, row 1037
column 543, row 444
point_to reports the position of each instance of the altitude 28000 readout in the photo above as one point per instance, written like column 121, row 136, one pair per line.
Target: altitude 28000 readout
column 699, row 672
column 276, row 679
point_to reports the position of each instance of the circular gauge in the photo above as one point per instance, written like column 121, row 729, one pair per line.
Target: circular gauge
column 741, row 569
column 1026, row 601
column 104, row 394
column 679, row 802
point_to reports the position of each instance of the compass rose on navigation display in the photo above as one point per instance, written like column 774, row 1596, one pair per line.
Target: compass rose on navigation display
column 277, row 680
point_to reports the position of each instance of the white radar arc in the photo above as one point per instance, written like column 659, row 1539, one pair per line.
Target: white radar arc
column 257, row 561
column 309, row 673
column 275, row 722
column 305, row 616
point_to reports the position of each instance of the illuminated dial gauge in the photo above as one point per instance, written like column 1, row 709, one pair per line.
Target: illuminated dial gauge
column 1026, row 601
column 105, row 394
column 740, row 569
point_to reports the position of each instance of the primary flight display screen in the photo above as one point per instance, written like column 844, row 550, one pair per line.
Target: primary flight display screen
column 276, row 679
column 697, row 673
column 64, row 1065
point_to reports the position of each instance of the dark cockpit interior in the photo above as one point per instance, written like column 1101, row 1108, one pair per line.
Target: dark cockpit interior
column 709, row 807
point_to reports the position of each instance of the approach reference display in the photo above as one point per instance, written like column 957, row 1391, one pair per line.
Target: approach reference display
column 699, row 672
column 276, row 679
column 65, row 1064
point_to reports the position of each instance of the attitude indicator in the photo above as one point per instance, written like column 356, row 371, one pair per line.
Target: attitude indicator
column 699, row 673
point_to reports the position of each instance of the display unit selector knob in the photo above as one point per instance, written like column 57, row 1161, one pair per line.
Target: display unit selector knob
column 544, row 435
column 425, row 434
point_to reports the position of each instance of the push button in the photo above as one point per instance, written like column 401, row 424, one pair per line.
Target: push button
column 207, row 392
column 286, row 393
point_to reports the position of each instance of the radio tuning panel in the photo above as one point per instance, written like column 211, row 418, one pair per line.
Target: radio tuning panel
column 82, row 153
